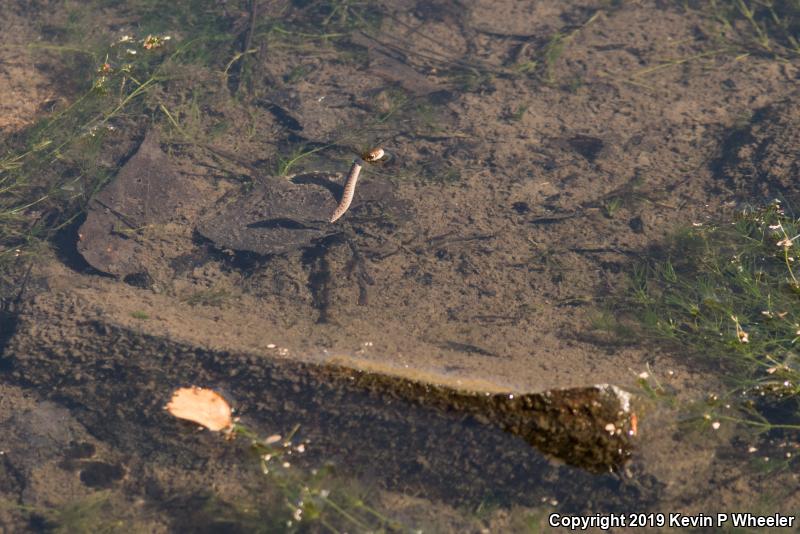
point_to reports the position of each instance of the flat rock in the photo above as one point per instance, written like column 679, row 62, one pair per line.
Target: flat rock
column 280, row 214
column 145, row 192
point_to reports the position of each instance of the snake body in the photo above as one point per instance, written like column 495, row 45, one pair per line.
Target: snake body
column 349, row 189
column 352, row 178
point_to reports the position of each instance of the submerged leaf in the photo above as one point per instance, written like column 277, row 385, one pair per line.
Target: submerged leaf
column 203, row 406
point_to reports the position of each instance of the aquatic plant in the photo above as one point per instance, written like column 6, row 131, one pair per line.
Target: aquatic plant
column 53, row 168
column 727, row 295
column 306, row 495
column 771, row 27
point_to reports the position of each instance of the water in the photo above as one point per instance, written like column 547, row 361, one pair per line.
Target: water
column 183, row 161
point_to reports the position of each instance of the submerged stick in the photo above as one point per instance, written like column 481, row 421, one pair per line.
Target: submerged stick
column 352, row 178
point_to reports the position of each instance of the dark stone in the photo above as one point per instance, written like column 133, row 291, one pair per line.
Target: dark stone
column 281, row 214
column 146, row 191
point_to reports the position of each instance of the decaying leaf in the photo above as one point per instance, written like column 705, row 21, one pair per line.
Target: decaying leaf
column 202, row 406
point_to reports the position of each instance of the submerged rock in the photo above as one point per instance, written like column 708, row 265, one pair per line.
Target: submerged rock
column 275, row 216
column 145, row 192
column 279, row 214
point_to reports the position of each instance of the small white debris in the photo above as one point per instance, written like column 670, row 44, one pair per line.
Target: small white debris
column 275, row 438
column 610, row 428
column 715, row 425
column 271, row 346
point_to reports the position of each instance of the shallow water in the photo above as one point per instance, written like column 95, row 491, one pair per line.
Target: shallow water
column 183, row 162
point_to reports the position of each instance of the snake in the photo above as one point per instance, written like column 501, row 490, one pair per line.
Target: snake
column 352, row 178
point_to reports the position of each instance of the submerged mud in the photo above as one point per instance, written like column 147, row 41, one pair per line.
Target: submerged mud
column 760, row 157
column 539, row 150
column 588, row 427
column 460, row 447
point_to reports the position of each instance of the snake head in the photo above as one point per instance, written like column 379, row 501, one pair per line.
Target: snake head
column 373, row 155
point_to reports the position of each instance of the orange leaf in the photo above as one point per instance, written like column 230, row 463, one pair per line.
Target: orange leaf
column 202, row 406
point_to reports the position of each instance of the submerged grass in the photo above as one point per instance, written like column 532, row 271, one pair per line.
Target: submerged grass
column 94, row 513
column 50, row 171
column 299, row 498
column 728, row 296
column 770, row 27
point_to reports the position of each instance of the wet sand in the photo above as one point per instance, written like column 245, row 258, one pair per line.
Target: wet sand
column 512, row 209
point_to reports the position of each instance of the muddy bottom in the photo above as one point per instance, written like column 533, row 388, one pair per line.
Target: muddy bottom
column 439, row 347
